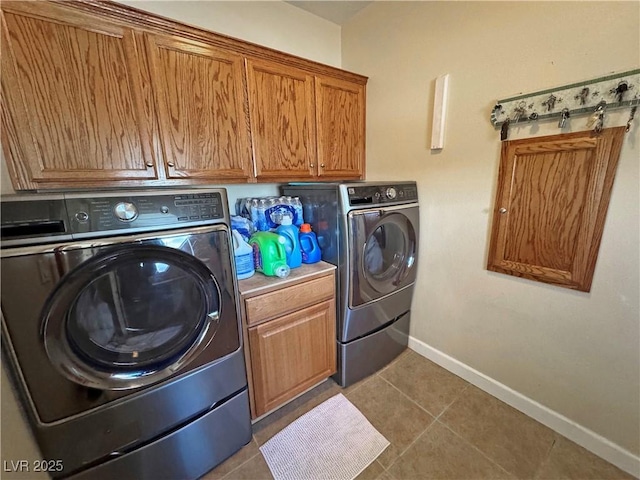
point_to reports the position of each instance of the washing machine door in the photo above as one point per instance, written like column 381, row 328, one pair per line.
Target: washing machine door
column 383, row 251
column 129, row 315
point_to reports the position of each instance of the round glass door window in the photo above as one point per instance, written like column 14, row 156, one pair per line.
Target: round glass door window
column 389, row 252
column 131, row 316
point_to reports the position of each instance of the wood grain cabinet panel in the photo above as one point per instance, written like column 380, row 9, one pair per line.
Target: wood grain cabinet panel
column 291, row 354
column 281, row 107
column 340, row 119
column 73, row 94
column 551, row 203
column 202, row 107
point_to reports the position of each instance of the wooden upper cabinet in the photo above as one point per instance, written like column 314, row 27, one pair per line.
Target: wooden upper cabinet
column 281, row 107
column 552, row 199
column 340, row 114
column 76, row 107
column 202, row 110
column 99, row 94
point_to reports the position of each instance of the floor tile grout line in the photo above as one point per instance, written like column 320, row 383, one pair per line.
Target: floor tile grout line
column 411, row 444
column 408, row 397
column 420, row 407
column 435, row 417
column 485, row 455
column 545, row 460
column 238, row 466
column 538, row 468
column 363, row 382
column 457, row 397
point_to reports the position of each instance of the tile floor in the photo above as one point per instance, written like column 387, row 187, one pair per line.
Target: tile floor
column 439, row 426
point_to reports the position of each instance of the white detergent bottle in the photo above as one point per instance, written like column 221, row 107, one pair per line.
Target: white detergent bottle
column 244, row 256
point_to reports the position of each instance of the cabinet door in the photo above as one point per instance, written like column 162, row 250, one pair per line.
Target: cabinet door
column 75, row 106
column 340, row 118
column 201, row 103
column 291, row 354
column 281, row 106
column 551, row 204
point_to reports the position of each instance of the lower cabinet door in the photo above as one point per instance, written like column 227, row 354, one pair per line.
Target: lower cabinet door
column 291, row 354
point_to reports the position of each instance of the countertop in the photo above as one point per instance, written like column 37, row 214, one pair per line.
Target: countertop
column 259, row 283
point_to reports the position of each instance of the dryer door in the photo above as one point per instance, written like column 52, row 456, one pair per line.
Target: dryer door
column 131, row 314
column 383, row 252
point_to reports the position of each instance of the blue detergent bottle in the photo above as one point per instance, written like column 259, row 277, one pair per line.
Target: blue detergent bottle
column 311, row 252
column 292, row 245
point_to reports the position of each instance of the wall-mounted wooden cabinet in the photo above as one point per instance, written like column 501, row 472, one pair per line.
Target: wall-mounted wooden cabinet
column 551, row 204
column 340, row 114
column 200, row 99
column 281, row 108
column 100, row 94
column 75, row 107
column 305, row 127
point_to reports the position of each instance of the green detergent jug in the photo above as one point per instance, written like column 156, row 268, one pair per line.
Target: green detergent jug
column 269, row 254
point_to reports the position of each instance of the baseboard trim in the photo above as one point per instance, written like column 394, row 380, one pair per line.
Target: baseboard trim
column 584, row 437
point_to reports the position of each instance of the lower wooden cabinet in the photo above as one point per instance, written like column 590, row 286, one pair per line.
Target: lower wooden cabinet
column 290, row 338
column 291, row 354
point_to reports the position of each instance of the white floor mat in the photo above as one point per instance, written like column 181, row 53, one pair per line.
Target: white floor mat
column 334, row 441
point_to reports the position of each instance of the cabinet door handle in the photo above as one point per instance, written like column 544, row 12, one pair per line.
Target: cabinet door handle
column 149, row 165
column 503, row 210
column 311, row 165
column 322, row 165
column 170, row 164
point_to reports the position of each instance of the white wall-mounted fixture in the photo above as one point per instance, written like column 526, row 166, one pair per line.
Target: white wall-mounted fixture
column 439, row 112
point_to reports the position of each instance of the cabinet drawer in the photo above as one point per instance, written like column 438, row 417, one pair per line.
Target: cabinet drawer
column 280, row 302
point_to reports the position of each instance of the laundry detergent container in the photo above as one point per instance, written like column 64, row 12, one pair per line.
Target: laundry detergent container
column 269, row 254
column 292, row 243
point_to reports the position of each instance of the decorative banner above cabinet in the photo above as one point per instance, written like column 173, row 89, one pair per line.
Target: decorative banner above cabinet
column 609, row 92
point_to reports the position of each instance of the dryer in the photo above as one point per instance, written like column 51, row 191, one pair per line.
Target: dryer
column 121, row 327
column 370, row 231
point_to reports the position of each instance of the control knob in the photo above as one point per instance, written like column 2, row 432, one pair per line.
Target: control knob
column 391, row 193
column 125, row 211
column 82, row 217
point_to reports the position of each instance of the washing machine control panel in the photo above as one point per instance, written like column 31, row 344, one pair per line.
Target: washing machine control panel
column 106, row 213
column 382, row 194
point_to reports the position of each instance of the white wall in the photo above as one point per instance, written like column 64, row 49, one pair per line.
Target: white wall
column 272, row 24
column 575, row 353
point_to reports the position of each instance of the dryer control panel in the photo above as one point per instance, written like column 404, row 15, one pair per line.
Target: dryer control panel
column 106, row 213
column 387, row 194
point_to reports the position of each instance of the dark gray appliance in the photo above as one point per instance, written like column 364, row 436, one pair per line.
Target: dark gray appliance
column 121, row 327
column 370, row 231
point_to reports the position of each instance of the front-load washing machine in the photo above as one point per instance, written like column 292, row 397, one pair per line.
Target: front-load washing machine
column 121, row 328
column 370, row 231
